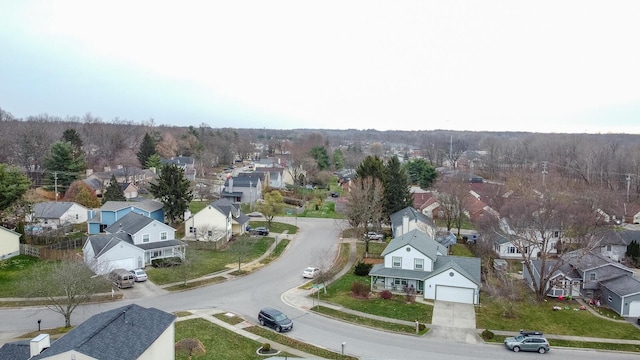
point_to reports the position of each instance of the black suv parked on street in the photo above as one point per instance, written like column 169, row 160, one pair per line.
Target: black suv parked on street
column 274, row 319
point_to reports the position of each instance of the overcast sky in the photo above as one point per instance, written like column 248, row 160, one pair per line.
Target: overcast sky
column 542, row 66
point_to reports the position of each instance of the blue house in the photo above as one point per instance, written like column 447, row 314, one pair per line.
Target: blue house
column 113, row 211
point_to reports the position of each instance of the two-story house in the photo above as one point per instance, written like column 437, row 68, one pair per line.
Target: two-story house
column 415, row 260
column 242, row 190
column 590, row 275
column 112, row 211
column 132, row 242
column 219, row 220
column 186, row 163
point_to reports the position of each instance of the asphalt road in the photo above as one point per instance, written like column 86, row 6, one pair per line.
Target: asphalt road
column 316, row 243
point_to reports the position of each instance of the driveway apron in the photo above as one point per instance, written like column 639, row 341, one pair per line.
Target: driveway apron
column 454, row 322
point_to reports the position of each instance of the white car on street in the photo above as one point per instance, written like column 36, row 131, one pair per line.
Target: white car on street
column 310, row 272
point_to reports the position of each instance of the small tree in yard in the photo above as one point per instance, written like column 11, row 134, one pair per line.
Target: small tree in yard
column 242, row 247
column 113, row 192
column 80, row 192
column 273, row 205
column 64, row 285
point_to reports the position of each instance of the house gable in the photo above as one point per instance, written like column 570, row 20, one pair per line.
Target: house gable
column 124, row 333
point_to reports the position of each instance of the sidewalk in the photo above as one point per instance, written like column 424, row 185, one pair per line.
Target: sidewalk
column 303, row 299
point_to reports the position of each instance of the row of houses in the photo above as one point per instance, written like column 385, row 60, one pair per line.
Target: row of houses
column 596, row 272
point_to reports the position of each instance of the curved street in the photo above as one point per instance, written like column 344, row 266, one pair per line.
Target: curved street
column 316, row 242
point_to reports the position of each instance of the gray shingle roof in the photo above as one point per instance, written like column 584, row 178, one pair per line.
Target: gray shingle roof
column 119, row 334
column 467, row 266
column 19, row 350
column 130, row 223
column 242, row 182
column 146, row 205
column 418, row 240
column 160, row 244
column 413, row 214
column 51, row 209
column 622, row 285
column 103, row 242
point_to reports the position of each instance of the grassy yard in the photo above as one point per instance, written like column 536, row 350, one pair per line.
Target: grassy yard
column 276, row 227
column 13, row 270
column 234, row 346
column 461, row 250
column 326, row 209
column 540, row 316
column 201, row 262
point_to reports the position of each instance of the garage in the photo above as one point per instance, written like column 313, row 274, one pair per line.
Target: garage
column 454, row 294
column 634, row 309
column 126, row 263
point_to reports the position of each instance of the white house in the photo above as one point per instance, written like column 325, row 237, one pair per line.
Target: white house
column 125, row 333
column 415, row 260
column 131, row 242
column 55, row 213
column 511, row 245
column 219, row 220
column 9, row 243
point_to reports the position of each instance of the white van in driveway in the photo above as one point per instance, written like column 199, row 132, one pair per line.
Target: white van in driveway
column 122, row 278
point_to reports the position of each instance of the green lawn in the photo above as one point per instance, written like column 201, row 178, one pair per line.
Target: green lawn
column 540, row 316
column 13, row 270
column 461, row 250
column 233, row 346
column 276, row 227
column 324, row 210
column 201, row 262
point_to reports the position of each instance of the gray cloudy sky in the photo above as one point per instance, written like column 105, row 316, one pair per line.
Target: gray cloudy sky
column 545, row 66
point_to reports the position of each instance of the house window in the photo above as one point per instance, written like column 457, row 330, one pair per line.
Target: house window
column 556, row 234
column 192, row 230
column 592, row 276
column 77, row 216
column 163, row 235
column 608, row 247
column 418, row 264
column 145, row 238
column 610, row 299
column 397, row 262
column 209, row 233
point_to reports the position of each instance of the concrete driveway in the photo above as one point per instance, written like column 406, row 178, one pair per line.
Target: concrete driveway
column 455, row 322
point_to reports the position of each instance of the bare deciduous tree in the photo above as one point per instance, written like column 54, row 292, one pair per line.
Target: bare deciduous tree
column 365, row 205
column 64, row 285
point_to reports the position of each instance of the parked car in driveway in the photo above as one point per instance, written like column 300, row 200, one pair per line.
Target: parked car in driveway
column 274, row 319
column 310, row 272
column 139, row 275
column 263, row 231
column 372, row 235
column 527, row 343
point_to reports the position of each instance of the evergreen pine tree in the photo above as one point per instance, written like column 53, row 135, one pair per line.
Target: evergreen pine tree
column 147, row 148
column 397, row 194
column 172, row 189
column 63, row 167
column 113, row 192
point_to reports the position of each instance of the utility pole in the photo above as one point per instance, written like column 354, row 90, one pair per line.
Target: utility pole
column 544, row 171
column 55, row 182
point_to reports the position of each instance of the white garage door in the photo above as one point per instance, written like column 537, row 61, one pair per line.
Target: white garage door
column 126, row 263
column 634, row 309
column 454, row 294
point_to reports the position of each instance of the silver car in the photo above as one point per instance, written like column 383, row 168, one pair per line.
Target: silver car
column 527, row 343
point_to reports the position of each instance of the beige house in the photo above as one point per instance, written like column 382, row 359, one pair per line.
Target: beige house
column 217, row 221
column 9, row 243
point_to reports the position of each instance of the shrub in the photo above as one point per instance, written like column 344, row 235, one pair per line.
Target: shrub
column 422, row 326
column 362, row 269
column 487, row 334
column 266, row 347
column 166, row 262
column 359, row 289
column 386, row 294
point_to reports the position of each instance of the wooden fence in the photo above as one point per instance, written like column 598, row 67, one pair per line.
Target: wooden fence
column 47, row 253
